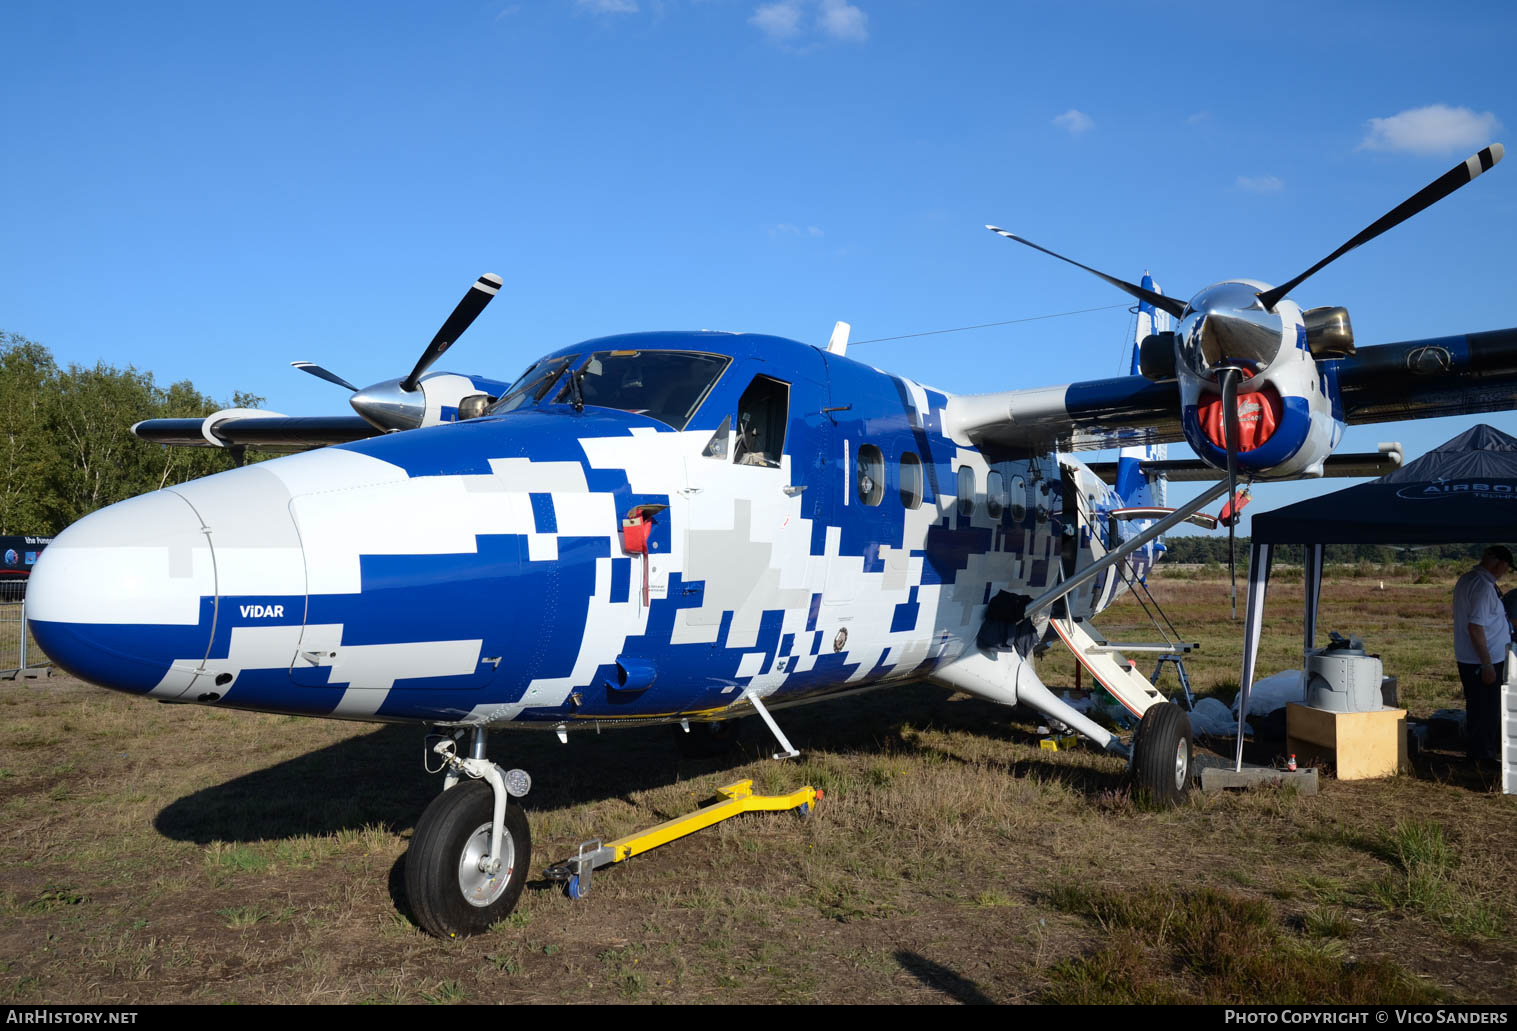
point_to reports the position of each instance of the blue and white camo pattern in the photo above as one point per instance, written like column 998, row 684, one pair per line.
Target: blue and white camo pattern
column 474, row 573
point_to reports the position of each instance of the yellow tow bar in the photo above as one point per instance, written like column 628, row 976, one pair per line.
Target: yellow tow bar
column 736, row 799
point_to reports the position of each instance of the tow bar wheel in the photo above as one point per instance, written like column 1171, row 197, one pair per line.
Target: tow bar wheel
column 1162, row 755
column 452, row 887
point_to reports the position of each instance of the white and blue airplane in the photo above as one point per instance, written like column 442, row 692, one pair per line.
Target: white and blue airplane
column 689, row 527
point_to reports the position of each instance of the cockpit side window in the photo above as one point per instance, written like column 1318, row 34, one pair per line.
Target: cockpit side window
column 717, row 446
column 761, row 416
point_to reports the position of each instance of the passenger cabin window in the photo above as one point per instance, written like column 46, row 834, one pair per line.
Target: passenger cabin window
column 761, row 415
column 871, row 474
column 995, row 495
column 966, row 490
column 911, row 480
column 665, row 385
column 1018, row 499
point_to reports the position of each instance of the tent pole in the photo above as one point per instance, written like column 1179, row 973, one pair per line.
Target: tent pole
column 1312, row 584
column 1258, row 580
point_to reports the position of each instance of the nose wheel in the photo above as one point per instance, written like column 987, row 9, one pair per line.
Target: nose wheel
column 455, row 886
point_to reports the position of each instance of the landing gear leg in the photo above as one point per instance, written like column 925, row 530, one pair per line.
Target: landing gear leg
column 1161, row 755
column 469, row 856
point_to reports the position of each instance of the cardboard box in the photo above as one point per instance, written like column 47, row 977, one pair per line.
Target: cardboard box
column 1358, row 745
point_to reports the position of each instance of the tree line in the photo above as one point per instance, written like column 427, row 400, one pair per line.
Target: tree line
column 1190, row 549
column 65, row 443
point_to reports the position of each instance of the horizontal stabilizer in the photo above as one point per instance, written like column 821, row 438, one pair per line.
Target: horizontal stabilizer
column 1364, row 463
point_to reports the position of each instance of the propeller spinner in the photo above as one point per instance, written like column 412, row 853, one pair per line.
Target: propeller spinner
column 400, row 404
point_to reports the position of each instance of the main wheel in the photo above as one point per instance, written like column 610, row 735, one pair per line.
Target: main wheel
column 1161, row 755
column 450, row 894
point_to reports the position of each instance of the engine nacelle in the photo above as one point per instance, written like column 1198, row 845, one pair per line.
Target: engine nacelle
column 1289, row 418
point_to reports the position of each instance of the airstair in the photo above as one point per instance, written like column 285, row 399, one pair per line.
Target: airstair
column 1108, row 664
column 1106, row 661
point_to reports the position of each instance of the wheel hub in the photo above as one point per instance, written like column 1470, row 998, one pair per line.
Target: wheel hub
column 1180, row 764
column 482, row 878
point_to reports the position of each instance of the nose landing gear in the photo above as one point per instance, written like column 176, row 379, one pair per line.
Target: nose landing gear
column 470, row 854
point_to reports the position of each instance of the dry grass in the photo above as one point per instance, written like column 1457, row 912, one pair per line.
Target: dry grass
column 163, row 854
column 1401, row 612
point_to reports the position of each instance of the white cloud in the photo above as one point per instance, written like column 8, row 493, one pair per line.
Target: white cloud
column 607, row 6
column 787, row 229
column 791, row 23
column 1076, row 121
column 1261, row 183
column 779, row 21
column 1198, row 118
column 842, row 20
column 1435, row 129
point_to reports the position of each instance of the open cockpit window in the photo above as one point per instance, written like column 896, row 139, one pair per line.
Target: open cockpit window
column 665, row 385
column 761, row 415
column 533, row 385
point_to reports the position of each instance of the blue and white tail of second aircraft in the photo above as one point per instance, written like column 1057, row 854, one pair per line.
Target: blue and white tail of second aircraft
column 1133, row 487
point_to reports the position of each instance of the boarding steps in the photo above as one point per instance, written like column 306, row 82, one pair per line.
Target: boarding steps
column 1111, row 669
column 1103, row 659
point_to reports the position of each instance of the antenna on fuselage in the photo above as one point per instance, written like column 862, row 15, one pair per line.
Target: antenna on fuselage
column 838, row 343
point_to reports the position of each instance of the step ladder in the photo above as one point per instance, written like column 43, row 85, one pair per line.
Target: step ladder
column 1110, row 668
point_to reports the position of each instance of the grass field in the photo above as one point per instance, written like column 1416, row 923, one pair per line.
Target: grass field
column 153, row 853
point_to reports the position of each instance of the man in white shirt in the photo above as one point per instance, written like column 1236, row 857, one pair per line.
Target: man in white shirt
column 1481, row 636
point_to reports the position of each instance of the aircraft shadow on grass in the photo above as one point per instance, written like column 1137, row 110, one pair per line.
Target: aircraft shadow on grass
column 377, row 779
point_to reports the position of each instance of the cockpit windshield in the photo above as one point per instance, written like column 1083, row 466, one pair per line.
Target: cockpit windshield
column 666, row 385
column 533, row 385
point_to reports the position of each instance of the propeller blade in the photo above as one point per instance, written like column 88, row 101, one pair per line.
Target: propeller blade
column 1460, row 175
column 480, row 294
column 1169, row 304
column 1228, row 379
column 320, row 373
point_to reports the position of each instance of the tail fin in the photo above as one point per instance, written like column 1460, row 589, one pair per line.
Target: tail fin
column 1133, row 486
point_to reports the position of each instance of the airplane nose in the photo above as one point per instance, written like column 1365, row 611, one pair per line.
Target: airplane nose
column 125, row 598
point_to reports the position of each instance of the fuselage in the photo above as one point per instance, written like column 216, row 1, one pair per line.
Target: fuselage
column 809, row 528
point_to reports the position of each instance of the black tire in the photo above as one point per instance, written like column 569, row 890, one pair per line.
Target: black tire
column 708, row 740
column 449, row 900
column 1161, row 755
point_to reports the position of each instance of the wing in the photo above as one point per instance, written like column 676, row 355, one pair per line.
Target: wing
column 257, row 429
column 1088, row 416
column 1424, row 379
column 1414, row 379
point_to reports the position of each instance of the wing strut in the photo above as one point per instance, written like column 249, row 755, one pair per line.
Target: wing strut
column 1117, row 554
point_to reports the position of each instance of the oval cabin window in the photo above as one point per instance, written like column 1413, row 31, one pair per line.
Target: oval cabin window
column 911, row 480
column 871, row 474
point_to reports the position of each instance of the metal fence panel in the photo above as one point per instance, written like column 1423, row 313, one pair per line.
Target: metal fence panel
column 18, row 648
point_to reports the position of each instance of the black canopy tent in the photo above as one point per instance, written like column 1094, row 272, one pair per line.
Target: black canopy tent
column 1463, row 491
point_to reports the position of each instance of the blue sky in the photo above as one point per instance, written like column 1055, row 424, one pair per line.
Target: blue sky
column 212, row 191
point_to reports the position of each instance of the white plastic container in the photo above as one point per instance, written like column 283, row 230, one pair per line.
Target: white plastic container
column 1342, row 678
